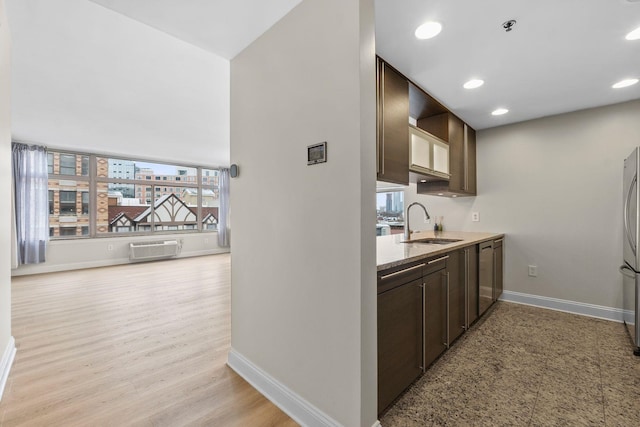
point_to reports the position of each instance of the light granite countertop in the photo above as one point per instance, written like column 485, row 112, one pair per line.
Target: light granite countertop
column 392, row 252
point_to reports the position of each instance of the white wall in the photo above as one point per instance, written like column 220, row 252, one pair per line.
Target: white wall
column 303, row 275
column 89, row 78
column 6, row 341
column 63, row 255
column 554, row 186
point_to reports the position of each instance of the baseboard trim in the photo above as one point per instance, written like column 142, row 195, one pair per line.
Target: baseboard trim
column 583, row 309
column 6, row 363
column 302, row 412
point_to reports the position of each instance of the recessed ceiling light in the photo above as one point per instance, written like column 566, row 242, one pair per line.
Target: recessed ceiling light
column 428, row 30
column 473, row 83
column 499, row 111
column 624, row 83
column 634, row 35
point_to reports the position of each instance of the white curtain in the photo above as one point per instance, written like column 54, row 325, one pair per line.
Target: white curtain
column 30, row 179
column 223, row 214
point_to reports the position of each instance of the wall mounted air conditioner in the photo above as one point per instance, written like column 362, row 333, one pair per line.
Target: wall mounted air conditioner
column 145, row 251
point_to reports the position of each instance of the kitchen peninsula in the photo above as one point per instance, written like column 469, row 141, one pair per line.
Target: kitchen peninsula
column 431, row 289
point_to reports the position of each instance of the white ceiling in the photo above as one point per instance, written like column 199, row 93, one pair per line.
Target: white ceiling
column 560, row 56
column 224, row 27
column 147, row 76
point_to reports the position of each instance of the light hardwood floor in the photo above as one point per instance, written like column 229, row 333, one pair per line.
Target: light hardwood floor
column 132, row 345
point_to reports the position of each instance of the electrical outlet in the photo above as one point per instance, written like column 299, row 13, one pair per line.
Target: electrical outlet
column 206, row 240
column 533, row 270
column 475, row 216
column 110, row 247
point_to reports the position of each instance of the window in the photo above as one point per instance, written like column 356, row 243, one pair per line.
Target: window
column 108, row 195
column 50, row 202
column 67, row 231
column 67, row 164
column 85, row 165
column 85, row 203
column 67, row 202
column 390, row 212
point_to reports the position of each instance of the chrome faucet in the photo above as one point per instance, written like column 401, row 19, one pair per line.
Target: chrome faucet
column 407, row 229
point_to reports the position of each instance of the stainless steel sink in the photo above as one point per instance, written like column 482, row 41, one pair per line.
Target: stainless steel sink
column 433, row 241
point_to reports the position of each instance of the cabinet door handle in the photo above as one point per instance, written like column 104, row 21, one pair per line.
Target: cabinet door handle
column 495, row 274
column 465, row 155
column 424, row 313
column 415, row 267
column 381, row 120
column 466, row 289
column 447, row 310
column 438, row 260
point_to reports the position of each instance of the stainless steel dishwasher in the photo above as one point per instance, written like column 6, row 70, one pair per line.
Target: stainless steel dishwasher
column 485, row 276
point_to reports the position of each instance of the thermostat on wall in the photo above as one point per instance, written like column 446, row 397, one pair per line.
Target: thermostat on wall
column 317, row 153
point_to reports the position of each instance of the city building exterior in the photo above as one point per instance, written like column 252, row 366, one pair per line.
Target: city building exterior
column 161, row 203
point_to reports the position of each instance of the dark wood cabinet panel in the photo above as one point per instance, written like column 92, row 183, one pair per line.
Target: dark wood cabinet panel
column 498, row 266
column 393, row 125
column 437, row 125
column 470, row 160
column 422, row 104
column 456, row 155
column 435, row 316
column 399, row 340
column 471, row 260
column 456, row 295
column 485, row 276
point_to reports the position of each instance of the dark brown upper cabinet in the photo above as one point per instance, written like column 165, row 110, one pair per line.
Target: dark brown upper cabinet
column 462, row 155
column 397, row 100
column 393, row 125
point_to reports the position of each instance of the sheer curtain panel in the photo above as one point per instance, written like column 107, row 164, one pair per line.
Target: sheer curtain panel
column 30, row 179
column 223, row 220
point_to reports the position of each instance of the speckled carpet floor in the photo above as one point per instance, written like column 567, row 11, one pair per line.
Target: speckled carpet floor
column 526, row 366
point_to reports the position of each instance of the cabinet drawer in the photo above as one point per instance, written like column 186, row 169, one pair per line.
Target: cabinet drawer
column 435, row 263
column 397, row 276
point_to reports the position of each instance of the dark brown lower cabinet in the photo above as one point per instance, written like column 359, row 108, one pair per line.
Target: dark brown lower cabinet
column 497, row 268
column 425, row 306
column 435, row 315
column 486, row 263
column 471, row 272
column 456, row 322
column 399, row 340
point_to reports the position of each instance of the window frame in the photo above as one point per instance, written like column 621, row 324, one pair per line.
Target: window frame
column 93, row 180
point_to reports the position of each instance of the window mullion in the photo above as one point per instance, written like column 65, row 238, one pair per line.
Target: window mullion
column 93, row 195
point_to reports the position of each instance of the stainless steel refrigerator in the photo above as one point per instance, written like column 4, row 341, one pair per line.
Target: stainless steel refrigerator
column 631, row 266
